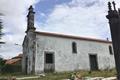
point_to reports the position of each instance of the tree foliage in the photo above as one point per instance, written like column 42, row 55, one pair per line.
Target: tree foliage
column 2, row 61
column 8, row 68
column 0, row 29
column 1, row 26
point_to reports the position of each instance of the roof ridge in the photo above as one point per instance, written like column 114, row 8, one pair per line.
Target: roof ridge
column 72, row 36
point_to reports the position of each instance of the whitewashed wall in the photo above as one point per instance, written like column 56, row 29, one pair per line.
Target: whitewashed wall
column 29, row 51
column 65, row 60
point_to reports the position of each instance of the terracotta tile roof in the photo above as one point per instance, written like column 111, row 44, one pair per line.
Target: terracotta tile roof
column 12, row 61
column 72, row 37
column 19, row 56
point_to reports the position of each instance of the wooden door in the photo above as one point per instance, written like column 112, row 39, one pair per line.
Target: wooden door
column 49, row 62
column 93, row 62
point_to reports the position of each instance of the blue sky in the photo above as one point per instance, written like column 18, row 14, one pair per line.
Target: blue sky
column 84, row 18
column 46, row 7
column 53, row 15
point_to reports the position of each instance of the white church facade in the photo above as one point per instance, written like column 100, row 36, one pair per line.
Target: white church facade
column 44, row 52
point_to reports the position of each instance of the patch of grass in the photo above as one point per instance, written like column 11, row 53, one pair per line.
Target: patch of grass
column 66, row 75
column 56, row 76
column 105, row 73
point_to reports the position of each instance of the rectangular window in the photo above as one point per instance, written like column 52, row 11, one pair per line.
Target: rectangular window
column 74, row 47
column 49, row 58
column 110, row 50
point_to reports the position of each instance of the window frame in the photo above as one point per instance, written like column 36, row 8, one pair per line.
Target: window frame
column 110, row 50
column 74, row 47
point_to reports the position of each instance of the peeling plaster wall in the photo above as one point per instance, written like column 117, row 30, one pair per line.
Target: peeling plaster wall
column 29, row 50
column 65, row 60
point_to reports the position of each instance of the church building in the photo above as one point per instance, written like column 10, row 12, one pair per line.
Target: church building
column 52, row 52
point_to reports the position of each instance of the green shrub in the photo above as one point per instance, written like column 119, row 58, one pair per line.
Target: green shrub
column 11, row 68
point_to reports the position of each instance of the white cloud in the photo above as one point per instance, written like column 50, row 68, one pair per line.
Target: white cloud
column 9, row 50
column 80, row 17
column 14, row 21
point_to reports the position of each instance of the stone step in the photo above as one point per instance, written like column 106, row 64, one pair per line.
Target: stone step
column 22, row 78
column 101, row 78
column 110, row 78
column 95, row 78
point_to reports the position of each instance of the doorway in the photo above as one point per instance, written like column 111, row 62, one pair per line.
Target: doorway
column 93, row 62
column 49, row 62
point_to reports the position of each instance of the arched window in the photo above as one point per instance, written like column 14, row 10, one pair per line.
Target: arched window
column 110, row 49
column 74, row 47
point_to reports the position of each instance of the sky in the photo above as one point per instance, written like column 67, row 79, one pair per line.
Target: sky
column 84, row 18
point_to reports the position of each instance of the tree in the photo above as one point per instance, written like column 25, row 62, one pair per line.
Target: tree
column 1, row 26
column 2, row 63
column 0, row 29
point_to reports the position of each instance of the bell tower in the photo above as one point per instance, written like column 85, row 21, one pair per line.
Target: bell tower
column 114, row 23
column 30, row 20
